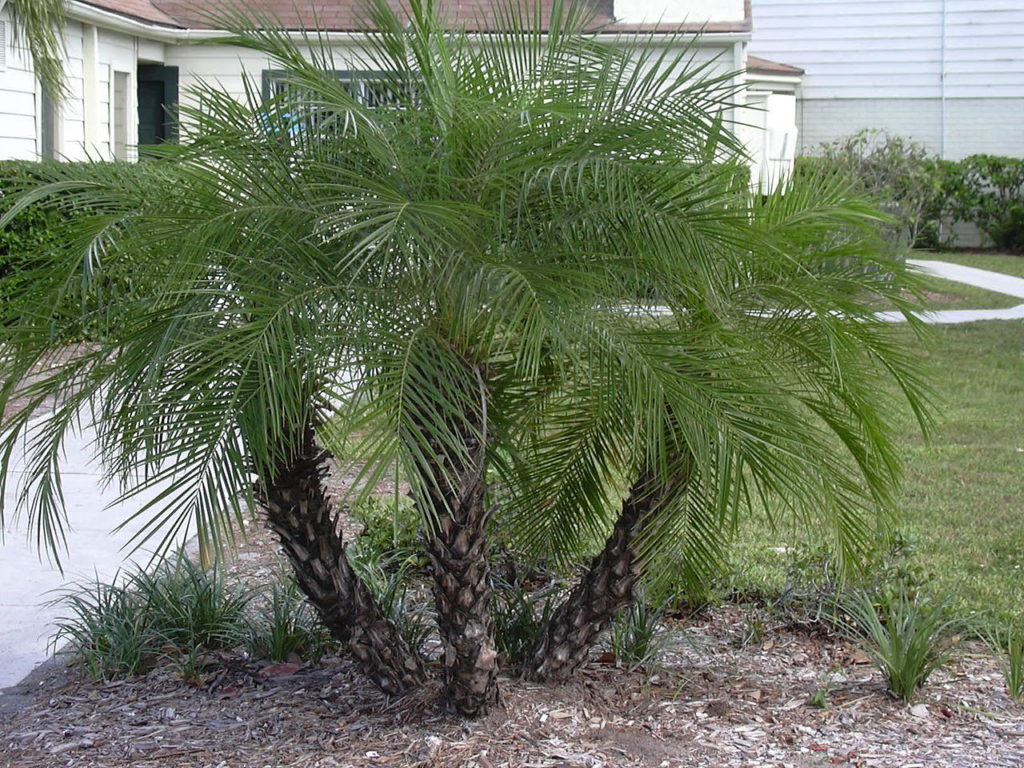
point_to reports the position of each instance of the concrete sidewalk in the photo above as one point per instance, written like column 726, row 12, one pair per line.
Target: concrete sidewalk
column 27, row 581
column 980, row 278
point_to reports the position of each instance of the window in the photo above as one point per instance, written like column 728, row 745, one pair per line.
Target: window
column 120, row 122
column 49, row 125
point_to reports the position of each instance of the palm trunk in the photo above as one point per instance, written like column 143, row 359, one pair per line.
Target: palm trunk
column 605, row 589
column 299, row 512
column 456, row 545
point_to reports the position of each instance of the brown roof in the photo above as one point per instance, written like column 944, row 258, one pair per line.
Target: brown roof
column 757, row 64
column 347, row 15
column 143, row 10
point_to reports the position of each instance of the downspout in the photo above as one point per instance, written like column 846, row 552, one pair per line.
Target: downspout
column 942, row 86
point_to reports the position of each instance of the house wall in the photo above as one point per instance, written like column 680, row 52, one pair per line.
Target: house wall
column 17, row 100
column 948, row 73
column 87, row 115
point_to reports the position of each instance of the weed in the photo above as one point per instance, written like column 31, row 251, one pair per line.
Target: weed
column 904, row 634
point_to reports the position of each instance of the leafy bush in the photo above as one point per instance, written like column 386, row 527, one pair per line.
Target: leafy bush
column 390, row 531
column 30, row 238
column 900, row 174
column 988, row 191
column 905, row 634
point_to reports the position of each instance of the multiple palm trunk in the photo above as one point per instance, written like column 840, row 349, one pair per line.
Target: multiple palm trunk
column 299, row 512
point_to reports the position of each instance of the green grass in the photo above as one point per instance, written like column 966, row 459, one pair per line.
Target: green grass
column 963, row 500
column 996, row 262
column 948, row 294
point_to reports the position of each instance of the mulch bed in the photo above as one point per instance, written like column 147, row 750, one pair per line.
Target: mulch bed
column 712, row 701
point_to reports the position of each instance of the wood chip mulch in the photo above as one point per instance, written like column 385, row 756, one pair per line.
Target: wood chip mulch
column 732, row 689
column 712, row 701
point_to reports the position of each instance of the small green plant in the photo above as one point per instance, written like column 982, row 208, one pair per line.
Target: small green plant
column 1008, row 648
column 392, row 579
column 820, row 698
column 177, row 610
column 518, row 623
column 105, row 628
column 636, row 639
column 285, row 627
column 191, row 606
column 905, row 634
column 390, row 531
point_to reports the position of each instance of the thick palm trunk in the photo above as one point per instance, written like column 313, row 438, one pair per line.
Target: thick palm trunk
column 299, row 512
column 456, row 545
column 605, row 589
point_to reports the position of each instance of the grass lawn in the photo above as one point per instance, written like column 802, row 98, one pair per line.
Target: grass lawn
column 996, row 262
column 963, row 502
column 948, row 294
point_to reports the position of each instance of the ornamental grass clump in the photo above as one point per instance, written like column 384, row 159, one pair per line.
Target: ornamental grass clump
column 906, row 634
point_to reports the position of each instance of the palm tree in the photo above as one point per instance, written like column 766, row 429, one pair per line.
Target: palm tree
column 529, row 274
column 40, row 23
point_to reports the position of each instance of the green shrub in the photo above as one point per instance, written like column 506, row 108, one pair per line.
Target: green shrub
column 988, row 191
column 107, row 283
column 900, row 174
column 390, row 529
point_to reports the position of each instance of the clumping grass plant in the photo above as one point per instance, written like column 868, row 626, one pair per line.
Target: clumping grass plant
column 285, row 628
column 178, row 609
column 1008, row 648
column 906, row 635
column 638, row 638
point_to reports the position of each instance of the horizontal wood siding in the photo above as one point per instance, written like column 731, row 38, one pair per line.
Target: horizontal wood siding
column 17, row 102
column 883, row 49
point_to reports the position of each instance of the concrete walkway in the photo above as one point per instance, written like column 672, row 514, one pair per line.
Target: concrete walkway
column 26, row 583
column 980, row 278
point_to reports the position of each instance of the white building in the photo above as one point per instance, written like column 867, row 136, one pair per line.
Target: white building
column 947, row 73
column 129, row 59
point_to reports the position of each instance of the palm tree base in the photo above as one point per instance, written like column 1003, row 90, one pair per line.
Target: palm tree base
column 299, row 513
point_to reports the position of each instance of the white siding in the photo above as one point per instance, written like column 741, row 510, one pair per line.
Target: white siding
column 17, row 102
column 881, row 48
column 117, row 53
column 919, row 68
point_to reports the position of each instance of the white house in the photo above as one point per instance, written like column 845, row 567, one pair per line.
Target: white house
column 129, row 62
column 948, row 73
